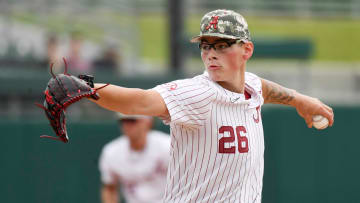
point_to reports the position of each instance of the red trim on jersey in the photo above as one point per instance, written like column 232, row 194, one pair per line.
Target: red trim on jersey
column 247, row 95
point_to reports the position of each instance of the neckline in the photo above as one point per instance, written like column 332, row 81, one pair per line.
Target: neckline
column 243, row 96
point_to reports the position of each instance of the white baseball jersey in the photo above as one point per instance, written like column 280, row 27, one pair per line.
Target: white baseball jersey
column 217, row 142
column 142, row 175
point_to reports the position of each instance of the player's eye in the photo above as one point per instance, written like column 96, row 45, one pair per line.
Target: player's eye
column 221, row 45
column 205, row 47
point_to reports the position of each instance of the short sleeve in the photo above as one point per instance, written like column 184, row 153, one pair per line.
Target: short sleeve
column 188, row 101
column 254, row 87
column 106, row 173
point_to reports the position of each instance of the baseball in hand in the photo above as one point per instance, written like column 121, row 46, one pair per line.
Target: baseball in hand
column 320, row 122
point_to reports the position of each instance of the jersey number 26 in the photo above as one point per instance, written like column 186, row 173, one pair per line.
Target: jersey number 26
column 243, row 145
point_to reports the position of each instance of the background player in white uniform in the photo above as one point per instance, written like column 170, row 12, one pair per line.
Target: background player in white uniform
column 137, row 162
column 217, row 144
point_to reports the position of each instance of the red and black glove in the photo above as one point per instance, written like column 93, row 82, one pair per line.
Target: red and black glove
column 63, row 90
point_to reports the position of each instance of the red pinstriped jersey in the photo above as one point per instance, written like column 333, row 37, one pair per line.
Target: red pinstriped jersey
column 217, row 142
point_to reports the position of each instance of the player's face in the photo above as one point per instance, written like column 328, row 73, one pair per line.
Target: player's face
column 135, row 128
column 227, row 62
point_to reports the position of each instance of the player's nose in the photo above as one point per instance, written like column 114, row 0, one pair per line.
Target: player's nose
column 212, row 54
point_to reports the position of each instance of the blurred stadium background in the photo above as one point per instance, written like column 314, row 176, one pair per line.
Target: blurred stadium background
column 311, row 46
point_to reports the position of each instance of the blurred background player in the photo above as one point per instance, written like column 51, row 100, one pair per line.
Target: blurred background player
column 76, row 58
column 135, row 162
column 109, row 61
column 52, row 51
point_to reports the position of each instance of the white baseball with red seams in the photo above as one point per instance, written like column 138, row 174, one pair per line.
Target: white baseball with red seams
column 320, row 122
column 217, row 142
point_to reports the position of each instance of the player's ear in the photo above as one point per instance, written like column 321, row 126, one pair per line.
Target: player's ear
column 248, row 50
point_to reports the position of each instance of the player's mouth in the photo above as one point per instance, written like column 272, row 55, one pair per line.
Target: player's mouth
column 213, row 67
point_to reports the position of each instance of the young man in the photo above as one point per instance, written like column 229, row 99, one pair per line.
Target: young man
column 217, row 143
column 137, row 162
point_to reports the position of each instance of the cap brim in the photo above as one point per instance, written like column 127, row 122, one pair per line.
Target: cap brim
column 199, row 37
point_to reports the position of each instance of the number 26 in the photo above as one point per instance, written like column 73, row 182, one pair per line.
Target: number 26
column 243, row 144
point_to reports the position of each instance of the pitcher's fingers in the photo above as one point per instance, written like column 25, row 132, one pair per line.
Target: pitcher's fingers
column 309, row 122
column 330, row 116
column 328, row 113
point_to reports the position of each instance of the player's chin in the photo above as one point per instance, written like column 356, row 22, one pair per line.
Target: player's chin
column 214, row 73
column 214, row 77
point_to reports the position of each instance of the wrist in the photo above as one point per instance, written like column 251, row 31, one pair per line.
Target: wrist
column 298, row 99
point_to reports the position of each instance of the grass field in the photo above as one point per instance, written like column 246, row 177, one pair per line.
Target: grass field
column 334, row 39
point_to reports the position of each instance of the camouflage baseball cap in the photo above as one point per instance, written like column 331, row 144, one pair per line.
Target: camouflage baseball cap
column 224, row 24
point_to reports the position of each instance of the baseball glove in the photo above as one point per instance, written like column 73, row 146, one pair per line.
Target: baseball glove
column 63, row 90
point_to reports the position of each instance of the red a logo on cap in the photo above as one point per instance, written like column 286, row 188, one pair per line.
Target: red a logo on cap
column 214, row 22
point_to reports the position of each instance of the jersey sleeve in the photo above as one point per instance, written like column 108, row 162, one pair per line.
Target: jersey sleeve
column 188, row 101
column 254, row 87
column 107, row 176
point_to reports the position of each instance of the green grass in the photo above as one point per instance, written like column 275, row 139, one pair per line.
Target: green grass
column 154, row 36
column 334, row 39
